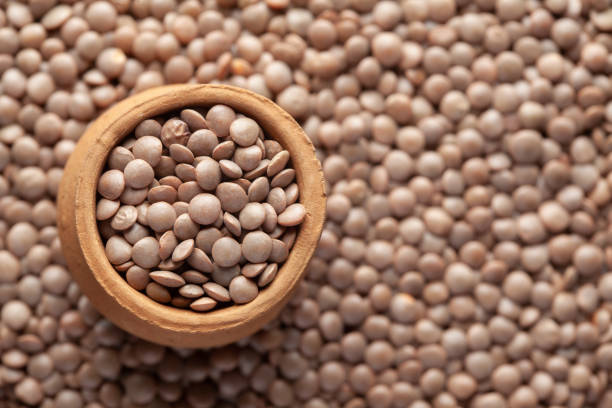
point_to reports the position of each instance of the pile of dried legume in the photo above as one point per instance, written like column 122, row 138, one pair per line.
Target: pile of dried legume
column 198, row 210
column 466, row 146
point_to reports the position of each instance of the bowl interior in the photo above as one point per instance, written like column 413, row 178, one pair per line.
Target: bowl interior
column 110, row 293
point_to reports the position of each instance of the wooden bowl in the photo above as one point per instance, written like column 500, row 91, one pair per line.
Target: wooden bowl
column 107, row 289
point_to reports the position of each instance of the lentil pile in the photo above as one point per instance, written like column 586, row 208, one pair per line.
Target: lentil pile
column 467, row 151
column 190, row 188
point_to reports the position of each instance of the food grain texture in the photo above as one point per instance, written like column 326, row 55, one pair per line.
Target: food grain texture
column 195, row 197
column 466, row 148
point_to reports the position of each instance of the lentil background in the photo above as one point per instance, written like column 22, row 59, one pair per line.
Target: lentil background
column 466, row 146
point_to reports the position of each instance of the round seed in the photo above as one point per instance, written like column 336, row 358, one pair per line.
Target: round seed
column 194, row 277
column 186, row 172
column 242, row 290
column 259, row 189
column 224, row 150
column 256, row 246
column 120, row 157
column 138, row 174
column 232, row 224
column 292, row 215
column 149, row 149
column 200, row 261
column 148, row 127
column 162, row 193
column 268, row 275
column 142, row 213
column 233, row 198
column 292, row 193
column 133, row 197
column 280, row 251
column 205, row 209
column 283, row 178
column 191, row 291
column 167, row 243
column 244, row 131
column 226, row 252
column 161, row 216
column 124, row 218
column 270, row 223
column 136, row 233
column 217, row 292
column 194, row 119
column 105, row 209
column 145, row 253
column 230, row 169
column 185, row 228
column 278, row 163
column 118, row 250
column 203, row 304
column 171, row 181
column 187, row 191
column 57, row 16
column 252, row 270
column 588, row 259
column 252, row 216
column 277, row 199
column 258, row 171
column 183, row 250
column 124, row 266
column 206, row 238
column 167, row 278
column 247, row 158
column 219, row 119
column 174, row 131
column 202, row 142
column 180, row 153
column 208, row 174
column 165, row 167
column 111, row 184
column 137, row 277
column 272, row 148
column 223, row 276
column 158, row 293
column 180, row 302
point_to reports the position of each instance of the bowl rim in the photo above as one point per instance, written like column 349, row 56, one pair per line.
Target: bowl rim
column 109, row 291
